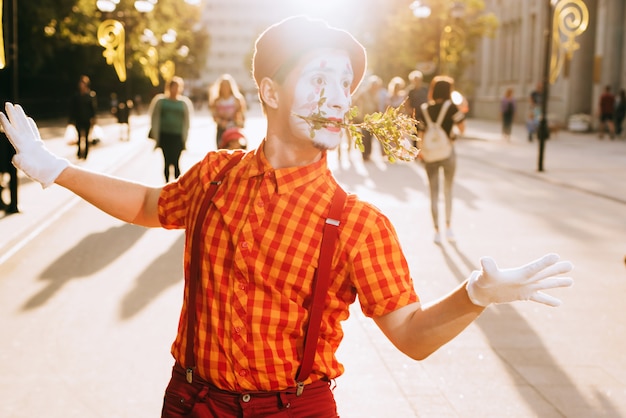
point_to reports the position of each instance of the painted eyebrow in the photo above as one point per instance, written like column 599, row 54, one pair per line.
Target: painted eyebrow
column 328, row 70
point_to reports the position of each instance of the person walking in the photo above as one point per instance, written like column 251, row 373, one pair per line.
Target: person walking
column 396, row 93
column 6, row 168
column 620, row 112
column 367, row 101
column 227, row 105
column 417, row 95
column 507, row 113
column 83, row 115
column 534, row 111
column 440, row 100
column 170, row 117
column 274, row 243
column 606, row 109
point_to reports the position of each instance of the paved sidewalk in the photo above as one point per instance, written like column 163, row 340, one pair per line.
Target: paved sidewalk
column 577, row 160
column 37, row 207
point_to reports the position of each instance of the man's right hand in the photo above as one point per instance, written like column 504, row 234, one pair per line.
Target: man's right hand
column 32, row 156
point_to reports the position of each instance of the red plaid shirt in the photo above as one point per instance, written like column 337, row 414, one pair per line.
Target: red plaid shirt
column 261, row 248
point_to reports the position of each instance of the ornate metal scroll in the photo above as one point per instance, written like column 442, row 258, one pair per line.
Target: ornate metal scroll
column 168, row 70
column 150, row 63
column 111, row 36
column 570, row 19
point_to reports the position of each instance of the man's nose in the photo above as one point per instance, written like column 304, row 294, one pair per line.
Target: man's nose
column 337, row 96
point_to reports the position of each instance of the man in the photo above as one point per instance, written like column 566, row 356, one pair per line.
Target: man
column 534, row 110
column 6, row 154
column 418, row 94
column 83, row 115
column 367, row 101
column 606, row 109
column 261, row 239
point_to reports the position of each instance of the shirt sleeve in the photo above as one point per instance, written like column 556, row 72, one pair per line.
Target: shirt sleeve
column 177, row 198
column 381, row 273
column 180, row 200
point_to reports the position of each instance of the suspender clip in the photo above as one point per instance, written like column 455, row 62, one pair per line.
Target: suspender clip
column 189, row 375
column 299, row 388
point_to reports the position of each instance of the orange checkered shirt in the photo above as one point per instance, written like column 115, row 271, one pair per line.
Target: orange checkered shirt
column 262, row 241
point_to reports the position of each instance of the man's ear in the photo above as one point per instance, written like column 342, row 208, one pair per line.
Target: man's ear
column 268, row 91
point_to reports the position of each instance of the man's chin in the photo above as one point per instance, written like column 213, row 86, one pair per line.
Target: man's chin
column 326, row 144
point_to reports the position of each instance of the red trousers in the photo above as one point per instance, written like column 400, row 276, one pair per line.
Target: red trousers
column 201, row 399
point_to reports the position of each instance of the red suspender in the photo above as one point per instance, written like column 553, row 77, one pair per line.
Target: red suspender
column 320, row 287
column 194, row 269
column 320, row 283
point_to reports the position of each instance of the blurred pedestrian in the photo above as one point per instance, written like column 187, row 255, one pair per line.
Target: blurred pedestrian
column 121, row 111
column 507, row 113
column 367, row 101
column 534, row 111
column 83, row 109
column 7, row 169
column 606, row 109
column 277, row 252
column 170, row 116
column 233, row 138
column 227, row 105
column 620, row 112
column 396, row 93
column 417, row 95
column 440, row 97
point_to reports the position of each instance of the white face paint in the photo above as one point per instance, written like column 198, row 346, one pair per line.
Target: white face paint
column 328, row 74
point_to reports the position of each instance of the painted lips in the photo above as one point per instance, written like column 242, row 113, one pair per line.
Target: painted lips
column 333, row 124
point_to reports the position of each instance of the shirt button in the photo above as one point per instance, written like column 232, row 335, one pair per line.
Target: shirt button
column 238, row 330
column 243, row 373
column 244, row 245
column 246, row 397
column 242, row 286
column 260, row 203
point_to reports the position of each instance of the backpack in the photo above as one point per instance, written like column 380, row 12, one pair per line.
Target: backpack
column 435, row 144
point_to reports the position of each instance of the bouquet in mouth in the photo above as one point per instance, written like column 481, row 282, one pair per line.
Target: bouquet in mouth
column 396, row 131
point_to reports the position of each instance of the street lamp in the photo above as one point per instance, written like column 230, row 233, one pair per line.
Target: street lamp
column 11, row 57
column 452, row 37
column 112, row 36
column 567, row 19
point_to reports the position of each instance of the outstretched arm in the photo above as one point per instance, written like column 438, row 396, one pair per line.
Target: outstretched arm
column 125, row 200
column 128, row 201
column 419, row 331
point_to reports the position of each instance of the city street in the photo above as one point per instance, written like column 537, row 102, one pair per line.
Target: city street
column 89, row 305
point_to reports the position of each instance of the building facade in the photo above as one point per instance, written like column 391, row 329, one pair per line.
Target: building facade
column 234, row 25
column 514, row 58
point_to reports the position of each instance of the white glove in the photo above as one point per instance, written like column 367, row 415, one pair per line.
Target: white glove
column 493, row 285
column 32, row 156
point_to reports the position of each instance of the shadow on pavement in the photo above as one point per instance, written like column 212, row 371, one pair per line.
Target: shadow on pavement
column 514, row 340
column 164, row 272
column 91, row 254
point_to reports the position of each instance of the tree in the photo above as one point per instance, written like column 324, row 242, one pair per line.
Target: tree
column 398, row 40
column 58, row 42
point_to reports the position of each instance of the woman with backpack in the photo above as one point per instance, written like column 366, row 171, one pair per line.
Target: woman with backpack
column 437, row 153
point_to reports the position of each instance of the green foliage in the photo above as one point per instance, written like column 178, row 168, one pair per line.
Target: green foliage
column 396, row 40
column 57, row 42
column 50, row 27
column 396, row 131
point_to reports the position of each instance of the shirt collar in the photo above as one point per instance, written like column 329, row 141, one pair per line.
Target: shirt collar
column 285, row 179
